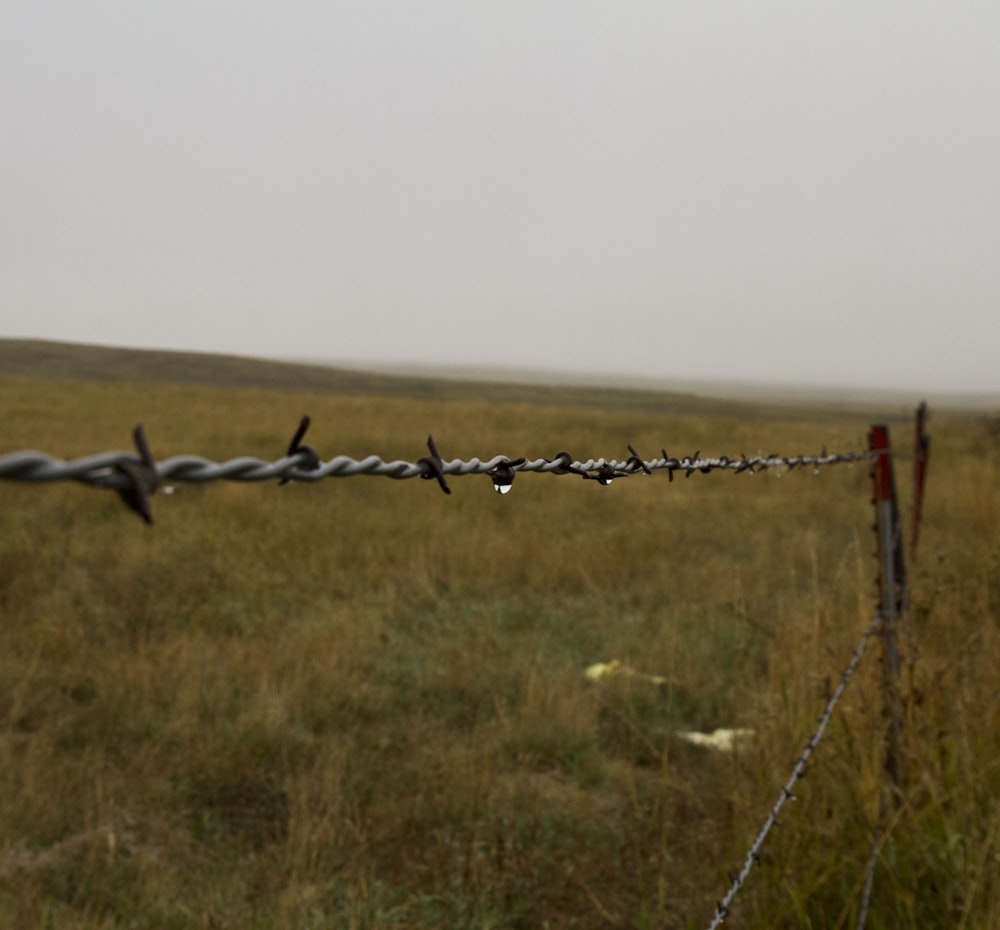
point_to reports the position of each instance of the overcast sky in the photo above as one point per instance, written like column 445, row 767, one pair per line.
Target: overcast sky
column 768, row 191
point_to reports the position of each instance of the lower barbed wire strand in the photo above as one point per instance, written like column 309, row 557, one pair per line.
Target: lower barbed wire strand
column 798, row 770
column 866, row 891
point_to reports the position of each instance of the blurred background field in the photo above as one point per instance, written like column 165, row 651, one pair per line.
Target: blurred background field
column 362, row 703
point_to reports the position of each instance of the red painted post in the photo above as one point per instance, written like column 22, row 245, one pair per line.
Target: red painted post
column 892, row 584
column 921, row 452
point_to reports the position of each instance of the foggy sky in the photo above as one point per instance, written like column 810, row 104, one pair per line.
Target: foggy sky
column 764, row 191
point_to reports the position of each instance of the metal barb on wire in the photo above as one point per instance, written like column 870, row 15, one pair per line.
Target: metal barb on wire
column 798, row 771
column 635, row 462
column 435, row 467
column 503, row 475
column 309, row 456
column 605, row 474
column 141, row 479
column 563, row 464
column 670, row 465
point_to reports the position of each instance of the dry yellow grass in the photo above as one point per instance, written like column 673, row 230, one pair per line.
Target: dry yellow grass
column 363, row 703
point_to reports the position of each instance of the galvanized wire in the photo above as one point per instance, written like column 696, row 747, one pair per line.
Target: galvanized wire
column 104, row 469
column 798, row 770
column 866, row 891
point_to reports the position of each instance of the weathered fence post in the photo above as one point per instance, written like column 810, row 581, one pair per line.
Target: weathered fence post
column 921, row 451
column 892, row 586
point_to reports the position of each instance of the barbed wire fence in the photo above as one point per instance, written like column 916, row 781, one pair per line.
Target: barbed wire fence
column 798, row 771
column 893, row 605
column 136, row 477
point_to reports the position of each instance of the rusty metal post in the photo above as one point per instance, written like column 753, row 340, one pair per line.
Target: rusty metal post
column 921, row 452
column 892, row 586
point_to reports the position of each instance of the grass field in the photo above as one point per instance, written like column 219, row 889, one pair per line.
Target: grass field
column 362, row 703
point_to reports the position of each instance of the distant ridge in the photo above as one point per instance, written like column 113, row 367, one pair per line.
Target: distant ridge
column 39, row 358
column 36, row 358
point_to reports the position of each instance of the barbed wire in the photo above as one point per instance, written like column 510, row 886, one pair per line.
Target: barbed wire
column 97, row 469
column 866, row 890
column 138, row 476
column 736, row 881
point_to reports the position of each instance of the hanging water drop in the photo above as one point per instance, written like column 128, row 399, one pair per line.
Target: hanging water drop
column 503, row 475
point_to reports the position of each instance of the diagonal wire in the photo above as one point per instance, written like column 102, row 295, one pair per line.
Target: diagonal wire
column 799, row 769
column 866, row 891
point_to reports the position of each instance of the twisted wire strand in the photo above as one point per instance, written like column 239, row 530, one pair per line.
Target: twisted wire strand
column 866, row 891
column 798, row 771
column 102, row 469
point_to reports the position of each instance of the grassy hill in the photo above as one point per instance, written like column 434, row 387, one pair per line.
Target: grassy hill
column 44, row 359
column 39, row 358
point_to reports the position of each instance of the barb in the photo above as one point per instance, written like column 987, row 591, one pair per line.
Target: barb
column 434, row 465
column 140, row 477
column 295, row 447
column 503, row 475
column 798, row 771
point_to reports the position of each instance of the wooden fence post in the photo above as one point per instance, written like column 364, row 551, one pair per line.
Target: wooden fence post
column 892, row 586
